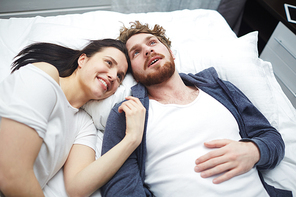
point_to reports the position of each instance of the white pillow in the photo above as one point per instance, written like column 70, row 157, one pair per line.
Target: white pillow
column 63, row 34
column 99, row 110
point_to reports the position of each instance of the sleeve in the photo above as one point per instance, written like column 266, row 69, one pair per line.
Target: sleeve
column 127, row 181
column 258, row 130
column 28, row 96
column 87, row 134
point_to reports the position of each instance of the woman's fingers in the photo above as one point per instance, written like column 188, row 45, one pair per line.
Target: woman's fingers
column 135, row 117
column 130, row 104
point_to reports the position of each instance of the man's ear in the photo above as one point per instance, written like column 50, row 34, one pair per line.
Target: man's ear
column 81, row 60
column 172, row 54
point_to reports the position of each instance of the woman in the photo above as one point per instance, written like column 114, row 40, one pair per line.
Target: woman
column 42, row 127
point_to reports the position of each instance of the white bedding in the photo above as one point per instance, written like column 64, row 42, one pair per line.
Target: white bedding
column 200, row 39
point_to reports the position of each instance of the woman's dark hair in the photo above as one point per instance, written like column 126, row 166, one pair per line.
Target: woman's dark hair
column 63, row 58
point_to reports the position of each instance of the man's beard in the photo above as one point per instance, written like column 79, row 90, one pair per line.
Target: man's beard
column 160, row 74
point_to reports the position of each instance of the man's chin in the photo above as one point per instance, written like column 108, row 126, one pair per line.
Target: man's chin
column 159, row 76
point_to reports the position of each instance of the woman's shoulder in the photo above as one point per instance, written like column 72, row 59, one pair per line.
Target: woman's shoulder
column 49, row 69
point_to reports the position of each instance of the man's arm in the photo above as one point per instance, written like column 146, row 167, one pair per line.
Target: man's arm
column 127, row 181
column 259, row 138
column 258, row 130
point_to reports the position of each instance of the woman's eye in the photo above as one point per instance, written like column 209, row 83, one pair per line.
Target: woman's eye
column 109, row 62
column 120, row 77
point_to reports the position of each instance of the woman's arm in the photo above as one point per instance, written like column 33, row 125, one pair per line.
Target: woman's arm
column 83, row 176
column 19, row 147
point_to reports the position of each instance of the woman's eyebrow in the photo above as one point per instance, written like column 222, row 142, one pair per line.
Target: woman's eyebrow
column 113, row 60
column 115, row 63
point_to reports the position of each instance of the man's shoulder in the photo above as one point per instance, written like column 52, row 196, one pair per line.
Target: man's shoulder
column 205, row 76
column 139, row 91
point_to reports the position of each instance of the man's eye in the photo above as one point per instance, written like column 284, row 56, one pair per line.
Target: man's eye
column 152, row 42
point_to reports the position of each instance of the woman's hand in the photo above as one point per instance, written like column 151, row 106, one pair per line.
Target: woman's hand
column 135, row 118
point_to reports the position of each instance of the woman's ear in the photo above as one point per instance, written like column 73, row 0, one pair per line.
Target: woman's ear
column 81, row 60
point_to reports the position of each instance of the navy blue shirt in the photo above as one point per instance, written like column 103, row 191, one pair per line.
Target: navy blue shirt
column 253, row 126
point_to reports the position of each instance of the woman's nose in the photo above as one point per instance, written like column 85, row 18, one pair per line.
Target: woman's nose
column 112, row 74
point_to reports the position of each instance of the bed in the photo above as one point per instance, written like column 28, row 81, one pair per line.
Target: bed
column 200, row 39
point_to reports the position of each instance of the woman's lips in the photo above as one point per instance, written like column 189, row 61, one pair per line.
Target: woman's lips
column 104, row 84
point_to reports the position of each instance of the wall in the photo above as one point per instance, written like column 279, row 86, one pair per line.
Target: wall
column 137, row 6
column 28, row 8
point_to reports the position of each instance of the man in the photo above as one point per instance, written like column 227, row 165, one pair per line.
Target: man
column 188, row 117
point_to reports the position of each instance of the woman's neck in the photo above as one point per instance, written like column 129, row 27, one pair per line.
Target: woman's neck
column 72, row 91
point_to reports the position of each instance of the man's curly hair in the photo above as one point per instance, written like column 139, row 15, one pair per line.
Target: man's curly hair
column 136, row 28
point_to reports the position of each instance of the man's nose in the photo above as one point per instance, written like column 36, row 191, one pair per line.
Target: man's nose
column 149, row 50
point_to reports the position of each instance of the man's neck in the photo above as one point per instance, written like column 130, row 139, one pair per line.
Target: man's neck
column 173, row 91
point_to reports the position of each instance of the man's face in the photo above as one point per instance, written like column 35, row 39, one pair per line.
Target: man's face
column 152, row 62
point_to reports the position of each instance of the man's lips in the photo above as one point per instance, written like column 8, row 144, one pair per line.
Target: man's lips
column 153, row 60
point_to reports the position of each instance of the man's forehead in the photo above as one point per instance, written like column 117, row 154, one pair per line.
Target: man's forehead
column 138, row 38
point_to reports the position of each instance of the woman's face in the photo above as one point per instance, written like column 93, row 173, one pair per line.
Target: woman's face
column 101, row 74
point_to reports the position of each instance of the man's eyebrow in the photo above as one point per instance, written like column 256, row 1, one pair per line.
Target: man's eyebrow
column 135, row 46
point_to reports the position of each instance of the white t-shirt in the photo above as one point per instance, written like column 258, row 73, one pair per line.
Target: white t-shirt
column 56, row 185
column 175, row 137
column 32, row 97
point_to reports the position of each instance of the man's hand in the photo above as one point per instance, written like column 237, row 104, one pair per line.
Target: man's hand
column 231, row 158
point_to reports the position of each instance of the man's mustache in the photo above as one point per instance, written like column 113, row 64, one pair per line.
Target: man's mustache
column 152, row 55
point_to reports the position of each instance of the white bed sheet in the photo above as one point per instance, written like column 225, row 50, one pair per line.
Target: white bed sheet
column 200, row 39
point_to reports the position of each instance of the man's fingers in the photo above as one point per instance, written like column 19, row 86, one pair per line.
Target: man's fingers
column 228, row 161
column 217, row 143
column 215, row 153
column 218, row 169
column 209, row 155
column 226, row 176
column 209, row 160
